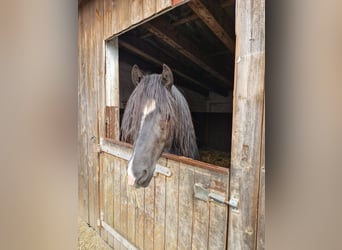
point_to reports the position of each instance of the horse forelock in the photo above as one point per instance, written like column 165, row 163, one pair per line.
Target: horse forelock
column 170, row 104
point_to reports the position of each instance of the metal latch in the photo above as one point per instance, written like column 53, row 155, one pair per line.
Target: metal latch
column 162, row 170
column 205, row 194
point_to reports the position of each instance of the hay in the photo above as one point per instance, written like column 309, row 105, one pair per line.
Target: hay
column 89, row 239
column 215, row 157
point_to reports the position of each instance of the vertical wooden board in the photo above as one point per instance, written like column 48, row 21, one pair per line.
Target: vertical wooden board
column 217, row 226
column 80, row 123
column 110, row 203
column 201, row 214
column 149, row 8
column 93, row 81
column 123, row 193
column 84, row 177
column 159, row 218
column 218, row 221
column 247, row 122
column 115, row 16
column 149, row 216
column 261, row 213
column 171, row 215
column 91, row 117
column 136, row 11
column 140, row 218
column 108, row 19
column 261, row 208
column 131, row 214
column 112, row 83
column 162, row 4
column 104, row 192
column 124, row 9
column 117, row 199
column 186, row 198
column 83, row 99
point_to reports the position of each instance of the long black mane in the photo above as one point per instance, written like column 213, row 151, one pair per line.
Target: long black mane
column 172, row 106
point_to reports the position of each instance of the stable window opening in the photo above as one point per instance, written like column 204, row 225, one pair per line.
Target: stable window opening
column 200, row 50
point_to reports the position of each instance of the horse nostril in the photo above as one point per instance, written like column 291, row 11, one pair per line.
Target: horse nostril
column 143, row 177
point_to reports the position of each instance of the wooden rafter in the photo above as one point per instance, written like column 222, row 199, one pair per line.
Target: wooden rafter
column 176, row 40
column 151, row 55
column 212, row 14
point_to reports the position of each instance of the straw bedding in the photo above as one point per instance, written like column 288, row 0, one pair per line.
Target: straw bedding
column 89, row 239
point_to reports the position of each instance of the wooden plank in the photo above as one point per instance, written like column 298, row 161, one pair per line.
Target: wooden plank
column 104, row 197
column 110, row 203
column 124, row 11
column 149, row 8
column 107, row 18
column 119, row 148
column 112, row 83
column 201, row 214
column 112, row 73
column 218, row 221
column 140, row 218
column 110, row 122
column 136, row 11
column 261, row 206
column 186, row 184
column 123, row 195
column 162, row 4
column 149, row 216
column 159, row 218
column 173, row 38
column 171, row 215
column 83, row 99
column 117, row 200
column 82, row 191
column 247, row 122
column 98, row 80
column 212, row 15
column 131, row 213
column 91, row 116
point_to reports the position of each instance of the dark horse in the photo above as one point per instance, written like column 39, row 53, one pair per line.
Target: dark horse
column 157, row 119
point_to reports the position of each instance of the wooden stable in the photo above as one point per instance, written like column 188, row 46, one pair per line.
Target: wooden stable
column 172, row 213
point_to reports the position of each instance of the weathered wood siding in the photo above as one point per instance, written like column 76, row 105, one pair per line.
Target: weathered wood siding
column 166, row 215
column 121, row 14
column 91, row 76
column 98, row 20
column 247, row 173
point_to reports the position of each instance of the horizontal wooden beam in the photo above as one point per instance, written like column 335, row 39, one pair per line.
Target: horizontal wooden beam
column 212, row 15
column 176, row 40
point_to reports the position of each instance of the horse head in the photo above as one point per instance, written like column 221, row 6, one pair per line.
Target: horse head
column 153, row 135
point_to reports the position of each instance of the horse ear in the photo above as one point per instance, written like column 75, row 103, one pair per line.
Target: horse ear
column 136, row 75
column 167, row 77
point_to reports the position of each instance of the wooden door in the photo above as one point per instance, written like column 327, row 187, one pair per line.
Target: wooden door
column 165, row 215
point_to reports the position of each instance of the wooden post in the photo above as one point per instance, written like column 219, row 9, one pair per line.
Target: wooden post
column 247, row 123
column 112, row 86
